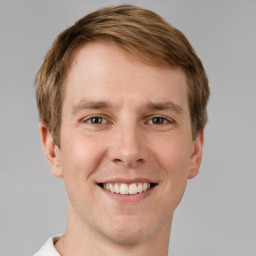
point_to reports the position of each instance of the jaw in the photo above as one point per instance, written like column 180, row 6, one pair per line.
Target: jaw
column 133, row 218
column 133, row 234
column 130, row 227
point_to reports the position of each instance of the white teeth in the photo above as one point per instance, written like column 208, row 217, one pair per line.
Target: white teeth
column 133, row 189
column 117, row 188
column 139, row 188
column 144, row 186
column 112, row 188
column 125, row 189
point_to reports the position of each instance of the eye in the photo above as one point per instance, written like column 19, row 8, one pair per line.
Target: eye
column 159, row 120
column 95, row 120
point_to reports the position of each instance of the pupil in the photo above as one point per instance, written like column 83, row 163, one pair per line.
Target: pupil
column 97, row 120
column 158, row 120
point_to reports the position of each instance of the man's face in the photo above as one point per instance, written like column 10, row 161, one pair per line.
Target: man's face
column 125, row 128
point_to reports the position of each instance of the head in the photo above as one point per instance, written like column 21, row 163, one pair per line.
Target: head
column 122, row 101
column 136, row 31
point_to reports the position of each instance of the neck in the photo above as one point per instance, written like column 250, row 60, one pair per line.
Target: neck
column 80, row 240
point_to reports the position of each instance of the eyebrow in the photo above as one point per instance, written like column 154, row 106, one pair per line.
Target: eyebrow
column 165, row 106
column 84, row 104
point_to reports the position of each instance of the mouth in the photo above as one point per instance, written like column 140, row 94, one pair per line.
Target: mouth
column 127, row 189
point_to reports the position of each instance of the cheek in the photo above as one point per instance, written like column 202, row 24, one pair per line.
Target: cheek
column 173, row 156
column 81, row 157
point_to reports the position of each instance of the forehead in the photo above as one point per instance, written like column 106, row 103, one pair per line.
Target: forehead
column 100, row 70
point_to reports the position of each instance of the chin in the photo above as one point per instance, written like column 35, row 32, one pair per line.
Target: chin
column 129, row 237
column 129, row 230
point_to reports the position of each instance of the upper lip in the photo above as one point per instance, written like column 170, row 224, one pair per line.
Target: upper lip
column 126, row 181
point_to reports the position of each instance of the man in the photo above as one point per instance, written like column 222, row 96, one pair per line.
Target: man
column 122, row 103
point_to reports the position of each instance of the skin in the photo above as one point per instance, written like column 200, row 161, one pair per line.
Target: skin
column 137, row 136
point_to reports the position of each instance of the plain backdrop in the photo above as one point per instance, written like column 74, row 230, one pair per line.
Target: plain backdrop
column 217, row 216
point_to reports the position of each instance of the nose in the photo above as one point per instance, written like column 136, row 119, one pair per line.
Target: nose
column 129, row 146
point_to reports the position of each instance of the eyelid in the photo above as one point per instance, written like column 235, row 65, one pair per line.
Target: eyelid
column 148, row 118
column 169, row 119
column 87, row 118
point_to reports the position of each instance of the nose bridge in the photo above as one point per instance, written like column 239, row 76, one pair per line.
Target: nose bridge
column 129, row 147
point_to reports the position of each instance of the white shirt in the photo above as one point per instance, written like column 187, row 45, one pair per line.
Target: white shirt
column 48, row 248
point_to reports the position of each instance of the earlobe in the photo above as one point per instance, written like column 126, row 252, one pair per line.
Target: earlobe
column 196, row 155
column 52, row 151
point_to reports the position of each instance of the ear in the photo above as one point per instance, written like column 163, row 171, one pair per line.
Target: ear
column 52, row 152
column 196, row 154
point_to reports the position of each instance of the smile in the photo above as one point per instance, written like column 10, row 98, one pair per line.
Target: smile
column 127, row 189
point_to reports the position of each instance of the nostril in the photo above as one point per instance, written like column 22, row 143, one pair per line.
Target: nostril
column 128, row 162
column 118, row 161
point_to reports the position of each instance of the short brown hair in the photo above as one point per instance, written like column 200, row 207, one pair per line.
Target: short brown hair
column 140, row 32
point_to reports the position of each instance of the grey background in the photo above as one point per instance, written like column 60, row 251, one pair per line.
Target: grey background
column 218, row 213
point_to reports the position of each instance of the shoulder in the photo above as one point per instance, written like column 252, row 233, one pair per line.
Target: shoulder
column 48, row 248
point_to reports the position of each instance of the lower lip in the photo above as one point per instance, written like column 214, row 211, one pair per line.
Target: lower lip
column 126, row 199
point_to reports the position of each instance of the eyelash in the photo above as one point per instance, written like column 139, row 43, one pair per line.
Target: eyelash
column 163, row 118
column 90, row 118
column 166, row 120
